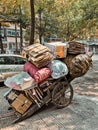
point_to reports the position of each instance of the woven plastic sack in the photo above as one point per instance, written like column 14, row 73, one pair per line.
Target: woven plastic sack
column 30, row 68
column 42, row 74
column 80, row 64
column 59, row 69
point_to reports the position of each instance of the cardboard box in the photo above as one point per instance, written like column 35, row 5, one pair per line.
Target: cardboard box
column 59, row 49
column 21, row 104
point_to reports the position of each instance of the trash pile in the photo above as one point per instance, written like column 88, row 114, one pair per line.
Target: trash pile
column 46, row 64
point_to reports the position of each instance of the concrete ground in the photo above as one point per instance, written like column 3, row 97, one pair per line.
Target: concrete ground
column 95, row 57
column 81, row 114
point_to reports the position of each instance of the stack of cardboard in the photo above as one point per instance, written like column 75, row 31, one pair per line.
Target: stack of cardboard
column 39, row 55
column 76, row 48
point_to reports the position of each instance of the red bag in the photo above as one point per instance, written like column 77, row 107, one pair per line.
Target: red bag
column 30, row 68
column 42, row 74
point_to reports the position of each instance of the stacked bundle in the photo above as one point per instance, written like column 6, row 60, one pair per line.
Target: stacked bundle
column 76, row 48
column 35, row 71
column 39, row 55
column 78, row 65
column 37, row 74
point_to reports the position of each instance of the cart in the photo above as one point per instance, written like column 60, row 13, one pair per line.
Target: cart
column 58, row 91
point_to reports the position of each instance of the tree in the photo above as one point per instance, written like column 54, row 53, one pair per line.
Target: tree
column 70, row 19
column 32, row 22
column 1, row 45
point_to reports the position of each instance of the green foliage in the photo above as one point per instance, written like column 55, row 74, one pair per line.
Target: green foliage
column 17, row 10
column 68, row 19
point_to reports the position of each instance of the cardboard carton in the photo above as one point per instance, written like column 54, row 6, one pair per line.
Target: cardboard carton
column 21, row 104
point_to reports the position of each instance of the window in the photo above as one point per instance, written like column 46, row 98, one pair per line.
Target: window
column 18, row 33
column 2, row 32
column 8, row 32
column 12, row 60
column 19, row 60
column 16, row 60
column 2, row 60
column 13, row 33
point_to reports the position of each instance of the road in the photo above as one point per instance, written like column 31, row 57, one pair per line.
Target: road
column 95, row 57
column 81, row 114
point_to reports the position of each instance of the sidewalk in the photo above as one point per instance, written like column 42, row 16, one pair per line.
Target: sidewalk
column 82, row 114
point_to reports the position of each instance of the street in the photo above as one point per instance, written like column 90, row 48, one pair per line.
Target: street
column 81, row 114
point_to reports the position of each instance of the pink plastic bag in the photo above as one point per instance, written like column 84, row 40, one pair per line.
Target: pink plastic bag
column 42, row 74
column 30, row 68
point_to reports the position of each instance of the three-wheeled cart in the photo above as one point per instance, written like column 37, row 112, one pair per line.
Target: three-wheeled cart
column 25, row 102
column 58, row 91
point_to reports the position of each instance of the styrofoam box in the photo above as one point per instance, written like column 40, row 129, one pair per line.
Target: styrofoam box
column 52, row 46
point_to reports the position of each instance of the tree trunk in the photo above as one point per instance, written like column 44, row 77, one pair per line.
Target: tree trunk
column 32, row 22
column 1, row 44
column 40, row 28
column 21, row 32
column 21, row 37
column 16, row 37
column 67, row 31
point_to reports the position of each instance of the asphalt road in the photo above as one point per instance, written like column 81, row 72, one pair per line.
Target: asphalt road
column 81, row 114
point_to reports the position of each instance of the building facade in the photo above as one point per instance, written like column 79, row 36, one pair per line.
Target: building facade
column 11, row 38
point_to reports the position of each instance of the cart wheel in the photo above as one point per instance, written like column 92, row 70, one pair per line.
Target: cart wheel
column 62, row 95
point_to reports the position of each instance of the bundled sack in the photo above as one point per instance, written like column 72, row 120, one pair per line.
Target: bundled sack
column 59, row 69
column 76, row 48
column 20, row 81
column 30, row 68
column 78, row 65
column 39, row 55
column 42, row 74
